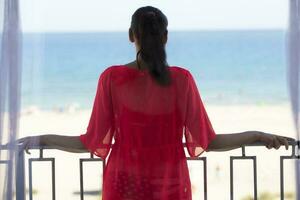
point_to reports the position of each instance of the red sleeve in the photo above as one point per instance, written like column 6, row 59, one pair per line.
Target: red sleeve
column 100, row 130
column 198, row 130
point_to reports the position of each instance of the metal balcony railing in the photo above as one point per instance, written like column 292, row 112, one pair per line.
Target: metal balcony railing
column 20, row 170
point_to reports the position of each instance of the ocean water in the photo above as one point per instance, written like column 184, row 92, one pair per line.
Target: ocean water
column 230, row 67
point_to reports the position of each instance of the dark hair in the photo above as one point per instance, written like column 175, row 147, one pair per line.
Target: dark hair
column 149, row 25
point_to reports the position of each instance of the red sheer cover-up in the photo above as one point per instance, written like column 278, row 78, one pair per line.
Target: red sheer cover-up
column 147, row 121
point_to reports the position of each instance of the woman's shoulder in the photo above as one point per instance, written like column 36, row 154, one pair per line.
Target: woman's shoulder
column 117, row 67
column 181, row 73
column 111, row 68
column 175, row 69
column 120, row 66
column 108, row 70
column 179, row 69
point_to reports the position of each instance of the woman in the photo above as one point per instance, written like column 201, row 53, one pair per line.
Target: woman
column 147, row 107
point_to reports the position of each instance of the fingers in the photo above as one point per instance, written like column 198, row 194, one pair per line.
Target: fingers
column 21, row 140
column 25, row 144
column 284, row 141
column 27, row 151
column 26, row 147
column 289, row 139
column 267, row 139
column 276, row 141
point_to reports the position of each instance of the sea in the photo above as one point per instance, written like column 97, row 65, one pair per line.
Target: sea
column 60, row 70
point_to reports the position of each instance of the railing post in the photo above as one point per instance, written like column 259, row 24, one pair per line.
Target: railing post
column 20, row 175
column 41, row 159
column 243, row 157
column 203, row 159
column 81, row 161
column 282, row 158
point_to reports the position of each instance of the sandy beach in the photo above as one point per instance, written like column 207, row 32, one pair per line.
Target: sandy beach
column 275, row 119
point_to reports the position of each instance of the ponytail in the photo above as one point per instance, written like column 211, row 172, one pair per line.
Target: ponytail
column 150, row 26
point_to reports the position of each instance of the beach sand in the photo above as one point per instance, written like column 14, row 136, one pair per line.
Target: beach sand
column 275, row 119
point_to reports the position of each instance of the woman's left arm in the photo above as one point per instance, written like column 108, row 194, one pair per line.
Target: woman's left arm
column 225, row 142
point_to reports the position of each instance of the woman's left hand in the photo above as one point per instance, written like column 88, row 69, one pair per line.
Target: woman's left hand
column 274, row 141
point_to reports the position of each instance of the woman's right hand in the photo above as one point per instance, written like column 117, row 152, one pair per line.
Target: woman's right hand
column 61, row 142
column 27, row 142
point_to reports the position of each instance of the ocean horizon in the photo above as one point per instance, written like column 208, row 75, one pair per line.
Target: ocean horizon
column 230, row 67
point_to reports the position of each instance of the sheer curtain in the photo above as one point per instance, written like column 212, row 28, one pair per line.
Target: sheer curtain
column 10, row 85
column 293, row 72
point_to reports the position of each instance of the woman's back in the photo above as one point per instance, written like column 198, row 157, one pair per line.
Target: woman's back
column 147, row 121
column 140, row 103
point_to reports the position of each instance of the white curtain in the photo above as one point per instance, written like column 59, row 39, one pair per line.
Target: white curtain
column 293, row 72
column 10, row 85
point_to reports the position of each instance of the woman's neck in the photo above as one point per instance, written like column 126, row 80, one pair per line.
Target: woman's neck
column 134, row 64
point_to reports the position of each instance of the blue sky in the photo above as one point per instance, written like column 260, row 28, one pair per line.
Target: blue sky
column 114, row 15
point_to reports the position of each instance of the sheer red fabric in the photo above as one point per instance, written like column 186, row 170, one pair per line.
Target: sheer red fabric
column 147, row 121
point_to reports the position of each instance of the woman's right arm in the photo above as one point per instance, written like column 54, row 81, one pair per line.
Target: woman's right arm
column 61, row 142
